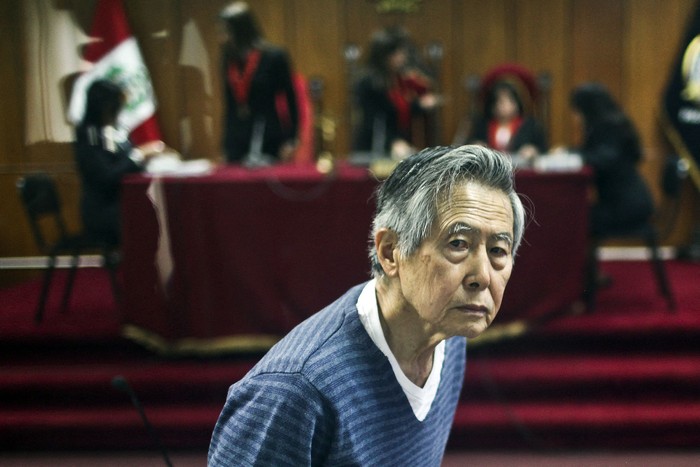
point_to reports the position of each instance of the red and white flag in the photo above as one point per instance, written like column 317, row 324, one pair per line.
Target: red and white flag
column 115, row 56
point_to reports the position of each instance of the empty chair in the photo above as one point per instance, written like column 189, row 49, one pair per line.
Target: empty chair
column 42, row 205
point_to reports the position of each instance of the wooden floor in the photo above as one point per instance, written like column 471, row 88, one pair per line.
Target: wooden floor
column 452, row 459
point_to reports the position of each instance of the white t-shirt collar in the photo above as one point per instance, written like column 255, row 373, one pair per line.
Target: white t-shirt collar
column 421, row 399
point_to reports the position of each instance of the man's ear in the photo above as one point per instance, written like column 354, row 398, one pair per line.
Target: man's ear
column 386, row 244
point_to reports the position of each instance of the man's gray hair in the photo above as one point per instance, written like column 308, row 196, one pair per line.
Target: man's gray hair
column 408, row 200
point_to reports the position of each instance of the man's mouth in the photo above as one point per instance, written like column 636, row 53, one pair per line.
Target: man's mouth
column 473, row 308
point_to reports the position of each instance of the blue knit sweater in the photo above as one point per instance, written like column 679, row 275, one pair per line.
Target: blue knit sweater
column 326, row 395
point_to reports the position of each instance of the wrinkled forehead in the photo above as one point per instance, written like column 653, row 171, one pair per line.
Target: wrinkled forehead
column 471, row 199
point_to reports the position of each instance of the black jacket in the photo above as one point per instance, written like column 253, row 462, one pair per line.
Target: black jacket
column 101, row 172
column 623, row 202
column 530, row 132
column 272, row 78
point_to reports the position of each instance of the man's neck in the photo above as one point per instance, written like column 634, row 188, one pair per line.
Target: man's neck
column 407, row 336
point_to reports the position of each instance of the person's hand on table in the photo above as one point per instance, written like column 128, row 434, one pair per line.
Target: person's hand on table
column 528, row 152
column 286, row 152
column 400, row 149
column 151, row 148
column 558, row 150
column 429, row 101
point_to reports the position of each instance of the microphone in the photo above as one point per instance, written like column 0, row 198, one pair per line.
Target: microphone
column 120, row 383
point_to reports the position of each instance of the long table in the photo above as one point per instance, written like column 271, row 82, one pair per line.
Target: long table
column 254, row 252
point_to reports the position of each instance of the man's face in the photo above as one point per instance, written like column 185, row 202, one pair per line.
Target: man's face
column 455, row 280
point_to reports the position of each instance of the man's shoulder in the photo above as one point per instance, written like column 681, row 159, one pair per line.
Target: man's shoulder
column 319, row 337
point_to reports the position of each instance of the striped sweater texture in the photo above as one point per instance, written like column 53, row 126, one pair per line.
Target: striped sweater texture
column 326, row 395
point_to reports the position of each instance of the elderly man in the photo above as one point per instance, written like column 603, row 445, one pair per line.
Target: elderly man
column 375, row 377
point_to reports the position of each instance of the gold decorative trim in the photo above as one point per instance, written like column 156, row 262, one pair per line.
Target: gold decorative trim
column 500, row 332
column 683, row 151
column 190, row 346
column 396, row 6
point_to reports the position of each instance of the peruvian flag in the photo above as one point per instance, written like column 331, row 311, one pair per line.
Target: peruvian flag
column 115, row 56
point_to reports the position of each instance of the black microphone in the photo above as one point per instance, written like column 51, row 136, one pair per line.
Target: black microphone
column 120, row 383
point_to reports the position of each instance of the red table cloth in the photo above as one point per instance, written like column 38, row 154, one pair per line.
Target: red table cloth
column 257, row 251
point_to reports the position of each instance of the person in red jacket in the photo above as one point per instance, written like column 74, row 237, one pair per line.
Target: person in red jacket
column 255, row 73
column 505, row 126
column 387, row 95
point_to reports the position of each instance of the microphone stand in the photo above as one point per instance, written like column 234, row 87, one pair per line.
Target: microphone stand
column 120, row 383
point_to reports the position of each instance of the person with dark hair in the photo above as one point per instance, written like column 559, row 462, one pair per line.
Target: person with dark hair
column 505, row 126
column 104, row 155
column 387, row 95
column 375, row 377
column 610, row 145
column 261, row 113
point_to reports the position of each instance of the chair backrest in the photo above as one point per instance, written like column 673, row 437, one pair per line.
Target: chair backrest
column 41, row 203
column 424, row 62
column 533, row 90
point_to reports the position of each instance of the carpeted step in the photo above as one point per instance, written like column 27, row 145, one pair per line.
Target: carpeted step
column 622, row 377
column 583, row 377
column 513, row 377
column 488, row 425
column 552, row 425
column 43, row 386
column 107, row 428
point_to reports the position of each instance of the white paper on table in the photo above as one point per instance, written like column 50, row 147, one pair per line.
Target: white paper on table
column 170, row 164
column 559, row 162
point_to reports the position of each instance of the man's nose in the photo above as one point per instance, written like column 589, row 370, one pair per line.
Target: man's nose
column 477, row 269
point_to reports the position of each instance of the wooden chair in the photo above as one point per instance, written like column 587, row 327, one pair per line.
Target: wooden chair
column 42, row 205
column 533, row 89
column 648, row 235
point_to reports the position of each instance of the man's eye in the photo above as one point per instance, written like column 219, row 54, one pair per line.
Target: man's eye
column 457, row 243
column 498, row 251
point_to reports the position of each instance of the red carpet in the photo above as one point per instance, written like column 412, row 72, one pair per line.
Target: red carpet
column 92, row 312
column 623, row 377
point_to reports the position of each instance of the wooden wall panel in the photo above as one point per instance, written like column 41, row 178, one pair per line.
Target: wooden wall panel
column 157, row 25
column 276, row 17
column 15, row 235
column 317, row 53
column 543, row 45
column 198, row 33
column 11, row 84
column 597, row 29
column 14, row 230
column 645, row 76
column 482, row 29
column 480, row 35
